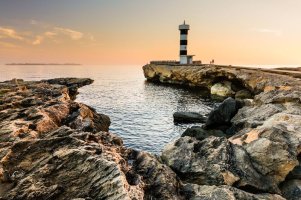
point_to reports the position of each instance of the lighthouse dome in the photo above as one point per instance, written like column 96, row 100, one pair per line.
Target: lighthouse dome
column 184, row 26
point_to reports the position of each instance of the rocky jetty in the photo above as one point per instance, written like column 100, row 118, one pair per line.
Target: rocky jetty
column 52, row 147
column 248, row 149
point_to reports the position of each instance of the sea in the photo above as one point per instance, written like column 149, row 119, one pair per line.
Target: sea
column 141, row 112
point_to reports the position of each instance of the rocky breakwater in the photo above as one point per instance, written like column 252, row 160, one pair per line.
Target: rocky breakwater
column 52, row 147
column 252, row 145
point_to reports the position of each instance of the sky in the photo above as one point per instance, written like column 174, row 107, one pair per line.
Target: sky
column 237, row 32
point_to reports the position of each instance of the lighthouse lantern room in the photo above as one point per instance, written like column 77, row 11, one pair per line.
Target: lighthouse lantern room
column 184, row 58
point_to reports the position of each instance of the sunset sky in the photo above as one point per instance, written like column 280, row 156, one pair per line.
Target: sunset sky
column 137, row 31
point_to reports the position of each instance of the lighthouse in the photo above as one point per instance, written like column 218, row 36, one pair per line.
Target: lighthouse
column 184, row 58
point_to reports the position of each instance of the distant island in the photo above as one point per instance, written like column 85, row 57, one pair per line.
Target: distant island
column 42, row 64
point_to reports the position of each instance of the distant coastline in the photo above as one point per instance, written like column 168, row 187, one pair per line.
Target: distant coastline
column 42, row 64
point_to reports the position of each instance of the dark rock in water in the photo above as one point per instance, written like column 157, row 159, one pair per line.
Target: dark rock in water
column 291, row 190
column 220, row 118
column 200, row 133
column 188, row 117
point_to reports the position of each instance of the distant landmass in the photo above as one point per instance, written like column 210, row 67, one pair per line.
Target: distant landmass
column 42, row 64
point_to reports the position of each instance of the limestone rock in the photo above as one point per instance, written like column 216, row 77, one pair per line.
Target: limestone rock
column 199, row 162
column 188, row 117
column 222, row 89
column 206, row 192
column 215, row 161
column 54, row 148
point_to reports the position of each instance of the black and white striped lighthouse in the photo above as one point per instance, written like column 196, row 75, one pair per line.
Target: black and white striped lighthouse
column 184, row 58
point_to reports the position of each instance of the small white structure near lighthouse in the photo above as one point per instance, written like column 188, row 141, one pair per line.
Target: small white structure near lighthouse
column 184, row 58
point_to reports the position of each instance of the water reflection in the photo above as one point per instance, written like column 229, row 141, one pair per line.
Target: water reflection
column 141, row 112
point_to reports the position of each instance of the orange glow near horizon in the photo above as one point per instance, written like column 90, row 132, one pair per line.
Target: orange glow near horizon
column 135, row 32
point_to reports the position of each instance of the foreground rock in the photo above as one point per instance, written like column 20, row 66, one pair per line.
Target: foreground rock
column 224, row 192
column 188, row 117
column 220, row 117
column 262, row 155
column 54, row 148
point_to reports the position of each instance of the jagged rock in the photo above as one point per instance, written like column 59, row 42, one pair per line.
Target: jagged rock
column 221, row 116
column 54, row 148
column 161, row 182
column 199, row 162
column 264, row 149
column 291, row 189
column 206, row 192
column 215, row 161
column 200, row 133
column 271, row 158
column 188, row 117
column 254, row 116
column 222, row 89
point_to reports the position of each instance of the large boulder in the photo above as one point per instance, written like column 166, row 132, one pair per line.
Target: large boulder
column 254, row 116
column 160, row 181
column 199, row 162
column 188, row 117
column 221, row 116
column 215, row 161
column 222, row 89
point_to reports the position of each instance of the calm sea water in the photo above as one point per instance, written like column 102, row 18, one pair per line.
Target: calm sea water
column 141, row 112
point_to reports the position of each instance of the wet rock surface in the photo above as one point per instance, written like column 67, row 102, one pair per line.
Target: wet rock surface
column 188, row 117
column 259, row 156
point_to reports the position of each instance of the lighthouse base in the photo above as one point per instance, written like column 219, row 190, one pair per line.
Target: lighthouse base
column 184, row 60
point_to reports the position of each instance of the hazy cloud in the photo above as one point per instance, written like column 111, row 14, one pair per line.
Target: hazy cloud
column 43, row 32
column 38, row 40
column 9, row 33
column 269, row 31
column 7, row 45
column 50, row 34
column 74, row 35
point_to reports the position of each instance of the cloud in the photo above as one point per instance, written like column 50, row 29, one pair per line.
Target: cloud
column 269, row 31
column 43, row 32
column 9, row 33
column 38, row 40
column 50, row 34
column 74, row 35
column 55, row 33
column 7, row 45
column 33, row 22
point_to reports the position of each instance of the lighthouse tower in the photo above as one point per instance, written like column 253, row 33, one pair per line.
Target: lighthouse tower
column 184, row 58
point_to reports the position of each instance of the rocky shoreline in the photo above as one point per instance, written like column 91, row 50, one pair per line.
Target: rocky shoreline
column 52, row 147
column 254, row 147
